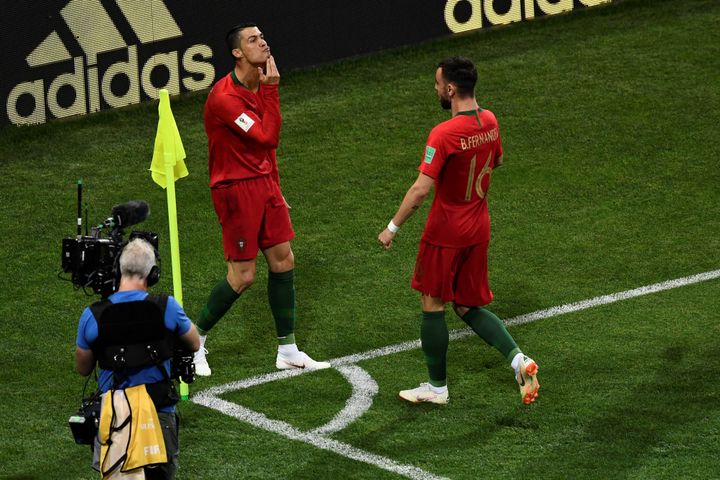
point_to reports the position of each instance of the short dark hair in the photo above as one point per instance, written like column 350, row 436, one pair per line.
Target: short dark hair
column 460, row 71
column 232, row 37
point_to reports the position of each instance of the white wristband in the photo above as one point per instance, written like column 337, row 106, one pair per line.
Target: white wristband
column 392, row 227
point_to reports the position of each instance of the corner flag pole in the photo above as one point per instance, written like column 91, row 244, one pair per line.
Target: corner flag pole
column 167, row 166
column 174, row 240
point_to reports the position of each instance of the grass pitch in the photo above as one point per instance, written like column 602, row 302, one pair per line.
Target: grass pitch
column 609, row 121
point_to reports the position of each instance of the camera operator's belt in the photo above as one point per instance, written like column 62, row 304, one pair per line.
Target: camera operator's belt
column 132, row 334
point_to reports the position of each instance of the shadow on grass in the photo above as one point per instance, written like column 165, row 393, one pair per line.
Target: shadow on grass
column 626, row 434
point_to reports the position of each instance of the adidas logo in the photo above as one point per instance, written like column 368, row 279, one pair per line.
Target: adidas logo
column 96, row 85
column 471, row 12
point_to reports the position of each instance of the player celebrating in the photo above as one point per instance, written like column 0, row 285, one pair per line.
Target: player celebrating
column 242, row 122
column 451, row 266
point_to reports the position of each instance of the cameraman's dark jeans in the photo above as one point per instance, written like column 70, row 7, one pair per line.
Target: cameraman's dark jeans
column 170, row 425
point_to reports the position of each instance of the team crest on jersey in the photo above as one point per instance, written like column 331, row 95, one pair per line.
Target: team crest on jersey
column 429, row 154
column 244, row 122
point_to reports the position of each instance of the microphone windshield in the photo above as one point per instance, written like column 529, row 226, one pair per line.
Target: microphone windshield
column 130, row 213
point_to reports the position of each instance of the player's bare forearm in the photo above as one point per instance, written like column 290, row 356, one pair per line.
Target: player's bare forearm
column 414, row 198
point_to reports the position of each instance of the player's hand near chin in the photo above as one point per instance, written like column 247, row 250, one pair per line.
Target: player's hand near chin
column 271, row 75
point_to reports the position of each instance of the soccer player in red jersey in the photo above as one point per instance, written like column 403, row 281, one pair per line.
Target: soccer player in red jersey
column 242, row 122
column 460, row 156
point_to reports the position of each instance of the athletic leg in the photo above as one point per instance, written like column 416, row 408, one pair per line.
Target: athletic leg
column 472, row 288
column 490, row 328
column 435, row 338
column 281, row 290
column 433, row 278
column 281, row 297
column 240, row 277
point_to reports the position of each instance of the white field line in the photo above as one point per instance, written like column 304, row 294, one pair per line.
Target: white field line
column 613, row 297
column 364, row 387
column 286, row 430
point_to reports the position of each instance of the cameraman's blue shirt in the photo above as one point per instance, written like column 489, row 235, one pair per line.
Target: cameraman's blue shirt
column 175, row 320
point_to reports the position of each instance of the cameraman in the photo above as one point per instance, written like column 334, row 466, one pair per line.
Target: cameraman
column 128, row 316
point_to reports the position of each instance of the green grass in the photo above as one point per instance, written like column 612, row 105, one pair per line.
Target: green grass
column 609, row 122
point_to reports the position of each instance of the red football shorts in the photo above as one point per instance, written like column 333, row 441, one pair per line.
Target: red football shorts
column 253, row 215
column 457, row 275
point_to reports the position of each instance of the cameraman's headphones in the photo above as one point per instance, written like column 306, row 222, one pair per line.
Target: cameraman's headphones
column 153, row 276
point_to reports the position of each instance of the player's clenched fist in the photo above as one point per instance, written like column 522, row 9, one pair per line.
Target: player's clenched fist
column 385, row 238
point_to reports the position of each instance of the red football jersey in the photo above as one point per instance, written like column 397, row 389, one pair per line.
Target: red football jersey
column 460, row 155
column 243, row 130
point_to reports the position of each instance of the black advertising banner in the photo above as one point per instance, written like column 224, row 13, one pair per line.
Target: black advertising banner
column 62, row 58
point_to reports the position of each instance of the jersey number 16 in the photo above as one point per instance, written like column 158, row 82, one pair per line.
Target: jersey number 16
column 486, row 170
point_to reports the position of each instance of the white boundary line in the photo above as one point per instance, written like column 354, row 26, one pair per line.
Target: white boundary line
column 614, row 297
column 364, row 387
column 259, row 420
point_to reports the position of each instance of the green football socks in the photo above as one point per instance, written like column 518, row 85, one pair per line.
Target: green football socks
column 221, row 299
column 435, row 338
column 281, row 296
column 491, row 329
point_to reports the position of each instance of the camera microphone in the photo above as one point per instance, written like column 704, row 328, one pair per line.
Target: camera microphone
column 130, row 213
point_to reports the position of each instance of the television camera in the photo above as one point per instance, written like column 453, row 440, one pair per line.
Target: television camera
column 92, row 259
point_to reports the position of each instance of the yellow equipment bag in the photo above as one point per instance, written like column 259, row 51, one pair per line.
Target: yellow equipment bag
column 130, row 434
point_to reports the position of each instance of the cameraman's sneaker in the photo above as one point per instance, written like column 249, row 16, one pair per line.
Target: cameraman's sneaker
column 201, row 365
column 425, row 394
column 526, row 376
column 298, row 360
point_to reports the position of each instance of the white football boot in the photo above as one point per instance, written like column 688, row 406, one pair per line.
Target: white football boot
column 424, row 394
column 201, row 365
column 298, row 360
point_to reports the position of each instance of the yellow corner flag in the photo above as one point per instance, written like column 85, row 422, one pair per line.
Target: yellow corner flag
column 167, row 166
column 169, row 150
